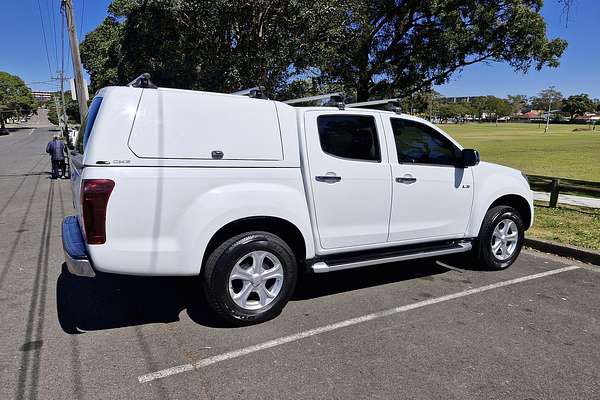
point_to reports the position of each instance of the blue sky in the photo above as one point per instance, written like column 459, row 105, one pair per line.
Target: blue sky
column 22, row 49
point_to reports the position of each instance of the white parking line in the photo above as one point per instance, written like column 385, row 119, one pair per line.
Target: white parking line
column 31, row 132
column 205, row 362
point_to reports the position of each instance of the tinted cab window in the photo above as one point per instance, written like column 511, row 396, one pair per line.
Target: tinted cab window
column 420, row 144
column 349, row 136
column 88, row 123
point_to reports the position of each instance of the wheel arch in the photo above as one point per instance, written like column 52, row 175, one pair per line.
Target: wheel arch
column 517, row 202
column 275, row 225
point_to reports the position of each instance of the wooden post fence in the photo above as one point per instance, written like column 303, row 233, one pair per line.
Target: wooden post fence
column 554, row 189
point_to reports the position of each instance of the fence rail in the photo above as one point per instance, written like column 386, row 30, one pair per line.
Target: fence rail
column 557, row 185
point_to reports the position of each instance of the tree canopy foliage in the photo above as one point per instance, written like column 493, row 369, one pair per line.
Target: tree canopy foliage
column 15, row 97
column 547, row 98
column 369, row 49
column 577, row 104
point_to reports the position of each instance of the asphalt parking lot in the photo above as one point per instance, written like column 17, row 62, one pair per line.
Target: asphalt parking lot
column 425, row 330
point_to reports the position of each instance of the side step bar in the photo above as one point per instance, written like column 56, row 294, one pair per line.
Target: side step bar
column 401, row 255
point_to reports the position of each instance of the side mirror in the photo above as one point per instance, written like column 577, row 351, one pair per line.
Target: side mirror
column 470, row 158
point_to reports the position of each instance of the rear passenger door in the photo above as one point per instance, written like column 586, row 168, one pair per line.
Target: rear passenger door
column 350, row 178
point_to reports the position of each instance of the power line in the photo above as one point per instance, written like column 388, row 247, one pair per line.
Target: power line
column 62, row 41
column 44, row 35
column 52, row 17
column 81, row 19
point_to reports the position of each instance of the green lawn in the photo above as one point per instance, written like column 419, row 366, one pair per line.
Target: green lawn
column 572, row 225
column 561, row 153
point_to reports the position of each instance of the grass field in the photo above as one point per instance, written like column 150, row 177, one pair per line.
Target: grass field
column 561, row 153
column 572, row 225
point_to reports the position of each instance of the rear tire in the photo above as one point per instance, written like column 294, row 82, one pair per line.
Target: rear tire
column 500, row 239
column 250, row 278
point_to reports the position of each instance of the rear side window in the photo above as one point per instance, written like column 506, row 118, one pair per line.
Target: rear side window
column 349, row 136
column 88, row 123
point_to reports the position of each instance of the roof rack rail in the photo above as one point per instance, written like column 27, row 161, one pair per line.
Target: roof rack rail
column 256, row 92
column 390, row 104
column 331, row 100
column 142, row 81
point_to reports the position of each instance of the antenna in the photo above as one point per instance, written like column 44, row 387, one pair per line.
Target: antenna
column 332, row 100
column 390, row 104
column 257, row 92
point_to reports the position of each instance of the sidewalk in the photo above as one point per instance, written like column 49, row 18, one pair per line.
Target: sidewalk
column 569, row 199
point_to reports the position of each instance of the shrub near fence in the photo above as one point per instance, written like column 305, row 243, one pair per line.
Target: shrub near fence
column 563, row 185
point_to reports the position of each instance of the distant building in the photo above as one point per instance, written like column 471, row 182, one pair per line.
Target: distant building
column 588, row 118
column 41, row 95
column 461, row 99
column 531, row 115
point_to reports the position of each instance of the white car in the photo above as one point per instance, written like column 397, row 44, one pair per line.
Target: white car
column 249, row 192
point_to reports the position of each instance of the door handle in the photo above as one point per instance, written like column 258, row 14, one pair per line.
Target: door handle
column 328, row 178
column 406, row 179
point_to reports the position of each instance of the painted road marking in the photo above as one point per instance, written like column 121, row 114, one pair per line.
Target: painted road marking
column 31, row 132
column 205, row 362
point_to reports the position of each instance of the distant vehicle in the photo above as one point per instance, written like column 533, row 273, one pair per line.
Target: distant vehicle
column 249, row 192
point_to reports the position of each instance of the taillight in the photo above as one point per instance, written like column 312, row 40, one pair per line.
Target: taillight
column 94, row 200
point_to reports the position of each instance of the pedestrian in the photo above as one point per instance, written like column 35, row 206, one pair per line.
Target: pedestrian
column 56, row 149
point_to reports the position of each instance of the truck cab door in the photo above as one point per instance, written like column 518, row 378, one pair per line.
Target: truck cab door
column 349, row 176
column 432, row 193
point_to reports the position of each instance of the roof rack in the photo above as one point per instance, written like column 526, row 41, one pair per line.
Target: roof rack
column 330, row 100
column 142, row 81
column 389, row 104
column 257, row 92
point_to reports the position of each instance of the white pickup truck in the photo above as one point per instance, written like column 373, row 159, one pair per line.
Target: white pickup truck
column 249, row 192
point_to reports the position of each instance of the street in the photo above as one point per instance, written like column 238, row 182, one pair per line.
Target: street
column 420, row 329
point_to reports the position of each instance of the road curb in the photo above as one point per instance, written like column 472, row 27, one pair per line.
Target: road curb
column 564, row 250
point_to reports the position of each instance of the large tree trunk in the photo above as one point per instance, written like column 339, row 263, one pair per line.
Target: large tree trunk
column 362, row 93
column 362, row 89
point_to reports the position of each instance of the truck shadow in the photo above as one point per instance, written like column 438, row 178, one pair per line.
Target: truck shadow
column 318, row 285
column 116, row 301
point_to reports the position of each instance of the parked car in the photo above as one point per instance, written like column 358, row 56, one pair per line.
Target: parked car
column 249, row 192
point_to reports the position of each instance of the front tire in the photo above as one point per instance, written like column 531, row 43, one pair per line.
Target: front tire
column 500, row 239
column 250, row 278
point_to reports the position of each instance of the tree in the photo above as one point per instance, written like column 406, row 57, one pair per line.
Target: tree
column 211, row 45
column 517, row 102
column 577, row 105
column 72, row 108
column 492, row 107
column 391, row 47
column 456, row 111
column 15, row 98
column 52, row 115
column 499, row 108
column 381, row 48
column 547, row 99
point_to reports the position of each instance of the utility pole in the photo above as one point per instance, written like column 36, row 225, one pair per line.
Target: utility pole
column 548, row 116
column 63, row 105
column 57, row 111
column 67, row 6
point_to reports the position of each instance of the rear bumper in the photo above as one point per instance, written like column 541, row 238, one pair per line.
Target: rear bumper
column 76, row 256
